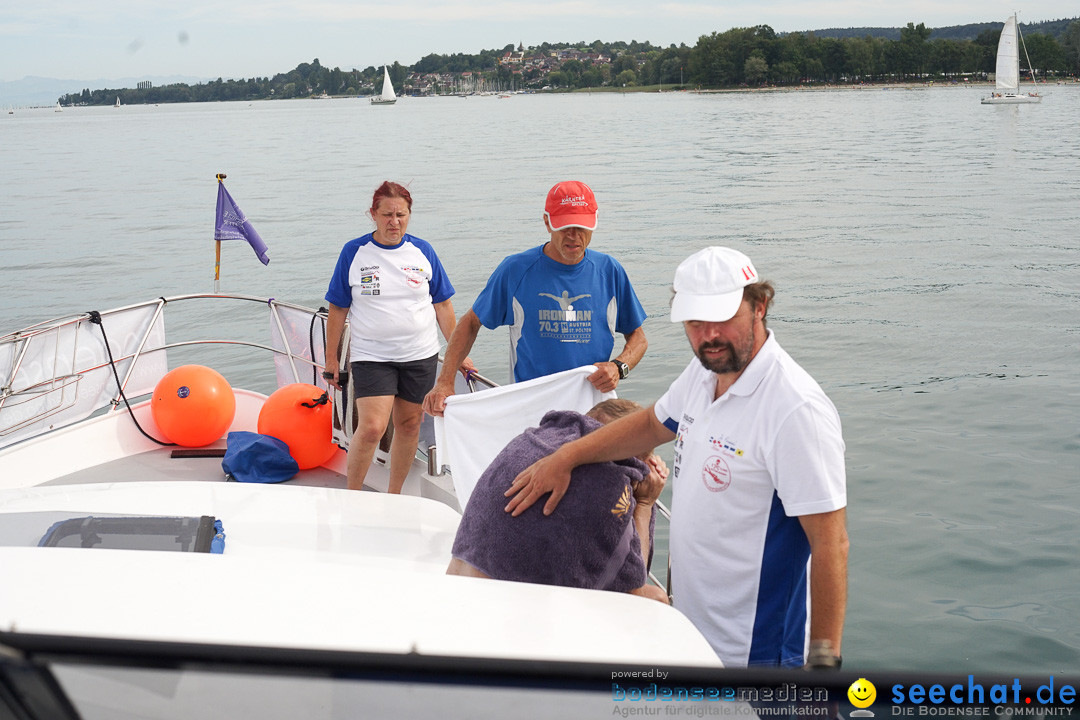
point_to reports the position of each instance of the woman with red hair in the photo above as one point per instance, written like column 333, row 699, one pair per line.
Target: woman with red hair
column 393, row 291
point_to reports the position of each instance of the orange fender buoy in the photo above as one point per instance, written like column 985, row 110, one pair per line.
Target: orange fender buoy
column 298, row 415
column 193, row 405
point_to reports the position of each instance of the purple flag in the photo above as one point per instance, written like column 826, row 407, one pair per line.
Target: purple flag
column 232, row 225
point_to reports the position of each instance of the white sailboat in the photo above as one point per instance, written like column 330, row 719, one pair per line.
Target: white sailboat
column 1007, row 81
column 117, row 101
column 387, row 97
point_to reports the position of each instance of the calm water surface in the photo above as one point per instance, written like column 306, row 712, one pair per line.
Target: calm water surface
column 926, row 252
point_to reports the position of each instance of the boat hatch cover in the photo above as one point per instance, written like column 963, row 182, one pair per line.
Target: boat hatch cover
column 113, row 532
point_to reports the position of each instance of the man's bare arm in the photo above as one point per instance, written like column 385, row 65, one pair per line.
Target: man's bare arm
column 827, row 534
column 457, row 349
column 628, row 436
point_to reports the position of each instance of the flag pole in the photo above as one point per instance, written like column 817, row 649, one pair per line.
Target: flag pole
column 217, row 251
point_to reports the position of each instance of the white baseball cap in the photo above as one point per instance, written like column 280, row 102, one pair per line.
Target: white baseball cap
column 709, row 285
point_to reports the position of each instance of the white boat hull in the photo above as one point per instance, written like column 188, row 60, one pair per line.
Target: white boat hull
column 1010, row 99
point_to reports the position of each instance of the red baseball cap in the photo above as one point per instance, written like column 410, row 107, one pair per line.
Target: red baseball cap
column 571, row 203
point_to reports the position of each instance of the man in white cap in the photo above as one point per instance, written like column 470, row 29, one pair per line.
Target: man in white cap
column 758, row 483
column 563, row 303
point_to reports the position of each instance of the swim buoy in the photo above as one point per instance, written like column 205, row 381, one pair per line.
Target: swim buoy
column 193, row 405
column 303, row 418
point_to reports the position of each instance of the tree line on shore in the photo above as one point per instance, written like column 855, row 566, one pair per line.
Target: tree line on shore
column 740, row 57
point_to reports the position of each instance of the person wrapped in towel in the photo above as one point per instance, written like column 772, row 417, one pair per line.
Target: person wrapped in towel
column 601, row 536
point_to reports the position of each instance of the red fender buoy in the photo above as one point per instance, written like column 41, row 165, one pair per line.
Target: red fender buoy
column 193, row 405
column 303, row 419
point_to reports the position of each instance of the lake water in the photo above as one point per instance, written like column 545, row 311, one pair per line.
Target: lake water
column 925, row 249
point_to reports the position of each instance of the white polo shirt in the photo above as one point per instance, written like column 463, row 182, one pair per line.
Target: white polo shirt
column 746, row 465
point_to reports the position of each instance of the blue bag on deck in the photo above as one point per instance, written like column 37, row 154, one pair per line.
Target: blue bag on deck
column 251, row 457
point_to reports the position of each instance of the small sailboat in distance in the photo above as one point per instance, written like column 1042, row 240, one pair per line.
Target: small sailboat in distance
column 387, row 97
column 117, row 101
column 1007, row 78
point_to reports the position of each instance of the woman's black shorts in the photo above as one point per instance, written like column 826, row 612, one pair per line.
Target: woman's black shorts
column 410, row 381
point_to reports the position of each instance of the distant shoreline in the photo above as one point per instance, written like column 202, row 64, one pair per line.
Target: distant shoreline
column 878, row 86
column 833, row 87
column 662, row 89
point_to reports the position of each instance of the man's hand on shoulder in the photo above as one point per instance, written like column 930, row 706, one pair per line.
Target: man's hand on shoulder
column 546, row 475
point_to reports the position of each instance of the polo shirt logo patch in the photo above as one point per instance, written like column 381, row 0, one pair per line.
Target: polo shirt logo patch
column 716, row 474
column 726, row 447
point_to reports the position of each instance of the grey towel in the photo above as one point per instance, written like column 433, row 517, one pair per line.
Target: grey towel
column 589, row 541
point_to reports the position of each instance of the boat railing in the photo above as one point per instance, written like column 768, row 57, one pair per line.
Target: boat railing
column 663, row 513
column 64, row 370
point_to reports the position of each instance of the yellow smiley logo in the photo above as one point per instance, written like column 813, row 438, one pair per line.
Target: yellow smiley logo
column 862, row 693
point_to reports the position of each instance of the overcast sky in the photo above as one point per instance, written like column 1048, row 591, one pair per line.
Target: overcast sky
column 247, row 38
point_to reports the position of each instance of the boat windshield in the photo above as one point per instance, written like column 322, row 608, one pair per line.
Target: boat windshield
column 104, row 679
column 88, row 678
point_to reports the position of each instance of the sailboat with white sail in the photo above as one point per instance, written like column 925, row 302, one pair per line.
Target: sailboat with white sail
column 1007, row 81
column 387, row 97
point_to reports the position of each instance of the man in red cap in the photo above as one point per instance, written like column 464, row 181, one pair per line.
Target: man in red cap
column 563, row 304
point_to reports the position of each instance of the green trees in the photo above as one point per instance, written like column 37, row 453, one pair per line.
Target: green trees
column 863, row 58
column 1070, row 48
column 914, row 50
column 750, row 56
column 755, row 69
column 948, row 56
column 712, row 61
column 1047, row 55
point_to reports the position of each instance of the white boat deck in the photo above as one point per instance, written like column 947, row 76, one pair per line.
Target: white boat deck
column 162, row 466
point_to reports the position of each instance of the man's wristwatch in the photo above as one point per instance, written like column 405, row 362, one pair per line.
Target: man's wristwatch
column 821, row 656
column 623, row 368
